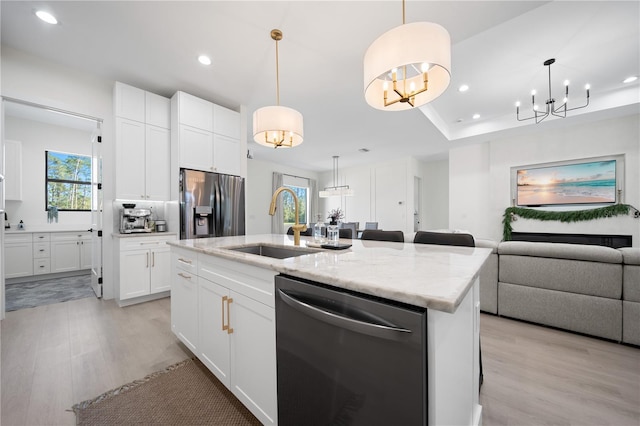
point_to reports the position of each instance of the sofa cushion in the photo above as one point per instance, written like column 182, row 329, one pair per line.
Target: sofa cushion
column 561, row 251
column 597, row 316
column 631, row 283
column 630, row 255
column 631, row 322
column 574, row 276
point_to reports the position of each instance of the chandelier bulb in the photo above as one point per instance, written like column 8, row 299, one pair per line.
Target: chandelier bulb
column 412, row 87
column 518, row 103
column 565, row 100
column 566, row 82
column 533, row 92
column 424, row 67
column 588, row 86
column 535, row 107
column 385, row 86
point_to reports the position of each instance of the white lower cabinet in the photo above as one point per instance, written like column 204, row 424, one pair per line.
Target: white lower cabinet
column 18, row 255
column 145, row 266
column 235, row 323
column 184, row 298
column 70, row 251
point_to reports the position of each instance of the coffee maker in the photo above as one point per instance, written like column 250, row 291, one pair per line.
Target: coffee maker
column 134, row 220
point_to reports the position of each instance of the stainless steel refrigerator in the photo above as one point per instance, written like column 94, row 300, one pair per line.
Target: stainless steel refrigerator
column 211, row 205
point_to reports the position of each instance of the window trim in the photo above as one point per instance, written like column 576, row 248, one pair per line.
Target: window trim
column 88, row 183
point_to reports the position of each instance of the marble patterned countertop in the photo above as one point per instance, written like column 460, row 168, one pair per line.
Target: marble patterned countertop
column 434, row 277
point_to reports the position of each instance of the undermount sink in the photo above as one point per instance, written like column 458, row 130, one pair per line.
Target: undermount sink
column 277, row 252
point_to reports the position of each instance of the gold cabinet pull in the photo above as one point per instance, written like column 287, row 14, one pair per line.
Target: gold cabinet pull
column 153, row 258
column 184, row 275
column 229, row 329
column 224, row 327
column 185, row 260
column 147, row 260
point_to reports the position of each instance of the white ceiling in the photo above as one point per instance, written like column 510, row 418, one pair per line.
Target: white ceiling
column 498, row 48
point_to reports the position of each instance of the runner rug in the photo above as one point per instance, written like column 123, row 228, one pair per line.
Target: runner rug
column 185, row 393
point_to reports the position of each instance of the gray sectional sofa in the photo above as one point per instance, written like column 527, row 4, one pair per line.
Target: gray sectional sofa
column 593, row 290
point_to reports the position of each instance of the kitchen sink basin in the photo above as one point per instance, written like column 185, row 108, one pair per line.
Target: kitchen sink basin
column 276, row 252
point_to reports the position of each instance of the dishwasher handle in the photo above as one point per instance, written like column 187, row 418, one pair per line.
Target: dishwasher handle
column 357, row 326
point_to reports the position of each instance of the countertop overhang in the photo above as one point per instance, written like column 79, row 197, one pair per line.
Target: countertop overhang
column 429, row 276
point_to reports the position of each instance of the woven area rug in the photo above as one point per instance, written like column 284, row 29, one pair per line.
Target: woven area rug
column 185, row 393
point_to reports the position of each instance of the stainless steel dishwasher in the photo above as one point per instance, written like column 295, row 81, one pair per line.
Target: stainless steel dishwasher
column 348, row 359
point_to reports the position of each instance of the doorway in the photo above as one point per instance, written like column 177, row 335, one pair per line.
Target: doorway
column 52, row 249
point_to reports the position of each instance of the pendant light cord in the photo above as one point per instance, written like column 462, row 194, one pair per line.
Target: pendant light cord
column 403, row 12
column 277, row 77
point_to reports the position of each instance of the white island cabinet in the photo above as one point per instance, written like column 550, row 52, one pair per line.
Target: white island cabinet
column 224, row 312
column 227, row 313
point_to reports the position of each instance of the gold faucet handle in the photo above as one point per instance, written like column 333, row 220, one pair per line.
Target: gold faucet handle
column 301, row 227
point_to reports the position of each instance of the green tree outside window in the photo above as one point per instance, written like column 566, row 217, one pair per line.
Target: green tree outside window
column 288, row 207
column 68, row 181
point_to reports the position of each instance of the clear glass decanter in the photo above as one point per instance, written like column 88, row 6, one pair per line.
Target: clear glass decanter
column 319, row 231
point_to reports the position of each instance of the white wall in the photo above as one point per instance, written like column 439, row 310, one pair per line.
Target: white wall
column 435, row 195
column 480, row 176
column 258, row 192
column 383, row 193
column 36, row 138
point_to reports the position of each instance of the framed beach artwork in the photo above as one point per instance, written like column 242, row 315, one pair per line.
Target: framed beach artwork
column 585, row 181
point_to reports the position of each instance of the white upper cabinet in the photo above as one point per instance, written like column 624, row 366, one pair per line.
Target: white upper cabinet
column 226, row 155
column 143, row 145
column 195, row 112
column 226, row 122
column 129, row 102
column 157, row 110
column 205, row 136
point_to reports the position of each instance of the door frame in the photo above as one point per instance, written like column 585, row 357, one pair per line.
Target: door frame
column 98, row 122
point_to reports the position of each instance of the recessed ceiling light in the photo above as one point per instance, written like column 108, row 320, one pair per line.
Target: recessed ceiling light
column 463, row 88
column 476, row 116
column 630, row 79
column 46, row 17
column 204, row 60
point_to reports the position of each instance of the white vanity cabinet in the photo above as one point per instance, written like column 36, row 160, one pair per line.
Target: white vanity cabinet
column 205, row 136
column 41, row 253
column 13, row 170
column 235, row 323
column 18, row 252
column 184, row 297
column 70, row 251
column 145, row 266
column 143, row 144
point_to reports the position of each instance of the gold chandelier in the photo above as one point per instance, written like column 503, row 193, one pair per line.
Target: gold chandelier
column 277, row 126
column 407, row 66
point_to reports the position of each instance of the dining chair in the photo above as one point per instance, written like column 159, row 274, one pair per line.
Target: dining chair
column 352, row 226
column 444, row 239
column 380, row 235
column 345, row 233
column 371, row 225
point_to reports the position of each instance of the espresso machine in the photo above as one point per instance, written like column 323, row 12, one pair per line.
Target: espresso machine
column 134, row 220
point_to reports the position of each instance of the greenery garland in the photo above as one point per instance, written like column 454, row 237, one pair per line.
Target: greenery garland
column 562, row 216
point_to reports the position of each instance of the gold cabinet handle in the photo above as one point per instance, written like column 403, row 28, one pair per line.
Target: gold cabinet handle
column 224, row 326
column 184, row 260
column 229, row 329
column 147, row 260
column 153, row 259
column 184, row 275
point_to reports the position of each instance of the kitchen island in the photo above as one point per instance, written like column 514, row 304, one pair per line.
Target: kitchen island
column 214, row 283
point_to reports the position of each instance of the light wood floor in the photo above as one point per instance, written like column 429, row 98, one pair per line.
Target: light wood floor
column 540, row 376
column 57, row 355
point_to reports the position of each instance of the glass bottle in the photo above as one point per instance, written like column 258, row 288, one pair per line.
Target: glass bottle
column 319, row 231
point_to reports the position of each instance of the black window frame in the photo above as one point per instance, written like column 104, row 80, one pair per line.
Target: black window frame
column 73, row 182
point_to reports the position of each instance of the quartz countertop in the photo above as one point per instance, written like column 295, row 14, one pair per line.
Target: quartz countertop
column 38, row 229
column 430, row 276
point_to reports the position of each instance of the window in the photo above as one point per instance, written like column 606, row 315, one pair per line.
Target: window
column 68, row 181
column 288, row 207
